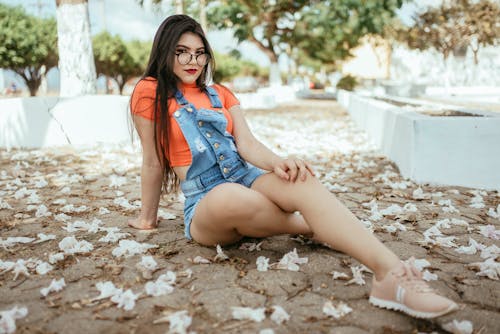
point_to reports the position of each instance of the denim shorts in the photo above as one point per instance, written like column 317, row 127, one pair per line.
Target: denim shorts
column 196, row 188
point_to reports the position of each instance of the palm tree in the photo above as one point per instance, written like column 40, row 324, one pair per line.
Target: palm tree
column 76, row 59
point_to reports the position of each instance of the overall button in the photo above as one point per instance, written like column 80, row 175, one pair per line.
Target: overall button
column 189, row 109
column 177, row 113
column 216, row 145
column 200, row 123
column 221, row 157
column 209, row 134
column 225, row 170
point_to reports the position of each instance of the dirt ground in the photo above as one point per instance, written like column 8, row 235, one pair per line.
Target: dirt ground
column 83, row 192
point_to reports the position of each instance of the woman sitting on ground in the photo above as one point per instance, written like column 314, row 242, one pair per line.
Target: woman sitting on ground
column 196, row 136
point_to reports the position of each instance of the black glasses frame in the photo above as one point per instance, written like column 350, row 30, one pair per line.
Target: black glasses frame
column 191, row 55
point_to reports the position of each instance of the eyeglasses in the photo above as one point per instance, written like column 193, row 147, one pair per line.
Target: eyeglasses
column 185, row 58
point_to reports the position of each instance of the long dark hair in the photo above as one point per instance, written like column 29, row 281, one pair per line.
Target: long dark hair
column 161, row 68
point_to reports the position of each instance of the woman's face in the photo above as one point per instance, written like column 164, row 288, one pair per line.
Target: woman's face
column 189, row 44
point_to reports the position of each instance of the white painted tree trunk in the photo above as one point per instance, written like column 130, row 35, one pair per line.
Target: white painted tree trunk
column 274, row 75
column 76, row 59
column 203, row 15
column 179, row 7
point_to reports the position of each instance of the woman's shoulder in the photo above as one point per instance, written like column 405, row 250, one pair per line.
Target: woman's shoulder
column 146, row 86
column 223, row 91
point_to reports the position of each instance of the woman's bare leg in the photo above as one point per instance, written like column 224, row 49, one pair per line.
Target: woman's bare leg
column 330, row 221
column 230, row 211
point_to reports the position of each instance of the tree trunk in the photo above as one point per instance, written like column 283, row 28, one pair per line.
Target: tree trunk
column 76, row 59
column 274, row 74
column 475, row 54
column 32, row 79
column 203, row 15
column 179, row 7
column 274, row 69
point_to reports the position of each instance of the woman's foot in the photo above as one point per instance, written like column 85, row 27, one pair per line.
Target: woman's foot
column 403, row 289
column 142, row 224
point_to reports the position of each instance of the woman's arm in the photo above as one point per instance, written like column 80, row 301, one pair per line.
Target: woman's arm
column 253, row 151
column 151, row 175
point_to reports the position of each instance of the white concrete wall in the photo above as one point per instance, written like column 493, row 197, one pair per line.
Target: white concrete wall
column 51, row 121
column 448, row 150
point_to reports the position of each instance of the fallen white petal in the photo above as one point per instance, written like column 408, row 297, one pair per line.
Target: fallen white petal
column 248, row 313
column 55, row 286
column 489, row 231
column 200, row 260
column 357, row 276
column 279, row 315
column 8, row 319
column 42, row 211
column 489, row 268
column 179, row 322
column 43, row 268
column 490, row 252
column 220, row 255
column 20, row 269
column 53, row 258
column 336, row 311
column 148, row 263
column 291, row 260
column 158, row 288
column 166, row 215
column 125, row 300
column 103, row 211
column 420, row 264
column 339, row 275
column 428, row 276
column 11, row 241
column 70, row 245
column 106, row 289
column 129, row 248
column 459, row 327
column 494, row 213
column 42, row 237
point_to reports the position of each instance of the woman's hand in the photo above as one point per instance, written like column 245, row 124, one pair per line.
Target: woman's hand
column 293, row 168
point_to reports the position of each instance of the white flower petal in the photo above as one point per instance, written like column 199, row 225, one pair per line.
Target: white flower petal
column 248, row 313
column 336, row 311
column 55, row 285
column 279, row 315
column 459, row 327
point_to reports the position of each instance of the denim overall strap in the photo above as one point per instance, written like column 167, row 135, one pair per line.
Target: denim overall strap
column 214, row 97
column 180, row 98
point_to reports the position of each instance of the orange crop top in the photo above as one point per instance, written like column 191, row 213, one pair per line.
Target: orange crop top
column 142, row 101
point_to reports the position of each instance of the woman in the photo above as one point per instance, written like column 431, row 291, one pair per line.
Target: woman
column 197, row 136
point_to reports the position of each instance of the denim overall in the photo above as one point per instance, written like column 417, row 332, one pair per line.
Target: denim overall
column 215, row 159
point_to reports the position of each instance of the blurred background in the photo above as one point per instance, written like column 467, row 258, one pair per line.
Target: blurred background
column 403, row 48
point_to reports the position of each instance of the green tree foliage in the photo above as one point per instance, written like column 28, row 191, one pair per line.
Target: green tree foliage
column 455, row 25
column 265, row 23
column 322, row 30
column 229, row 66
column 347, row 82
column 139, row 51
column 115, row 60
column 28, row 45
column 329, row 30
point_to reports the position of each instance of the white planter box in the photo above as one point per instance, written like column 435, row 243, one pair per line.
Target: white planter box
column 51, row 121
column 447, row 150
